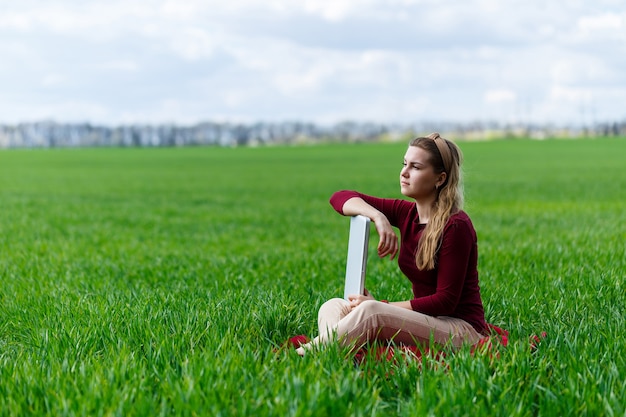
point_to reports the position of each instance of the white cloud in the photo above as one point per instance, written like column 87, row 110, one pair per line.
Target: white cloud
column 605, row 21
column 123, row 65
column 579, row 70
column 194, row 43
column 333, row 10
column 15, row 21
column 52, row 80
column 570, row 94
column 313, row 60
column 499, row 96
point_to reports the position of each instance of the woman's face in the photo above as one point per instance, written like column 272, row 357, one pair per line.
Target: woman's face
column 418, row 179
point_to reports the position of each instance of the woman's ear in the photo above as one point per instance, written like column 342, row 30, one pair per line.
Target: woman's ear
column 442, row 179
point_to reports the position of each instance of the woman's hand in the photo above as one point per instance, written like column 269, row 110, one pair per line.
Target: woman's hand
column 388, row 243
column 357, row 299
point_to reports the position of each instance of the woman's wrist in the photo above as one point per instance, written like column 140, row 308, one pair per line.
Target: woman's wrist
column 377, row 216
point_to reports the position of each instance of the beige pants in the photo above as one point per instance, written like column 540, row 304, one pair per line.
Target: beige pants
column 374, row 320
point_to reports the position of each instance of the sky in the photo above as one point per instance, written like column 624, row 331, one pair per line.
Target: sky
column 322, row 61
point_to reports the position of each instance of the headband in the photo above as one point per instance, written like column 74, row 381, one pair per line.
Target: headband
column 444, row 151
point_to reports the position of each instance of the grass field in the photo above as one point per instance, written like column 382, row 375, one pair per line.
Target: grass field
column 159, row 282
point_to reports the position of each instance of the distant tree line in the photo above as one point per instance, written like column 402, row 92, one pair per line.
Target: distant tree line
column 48, row 134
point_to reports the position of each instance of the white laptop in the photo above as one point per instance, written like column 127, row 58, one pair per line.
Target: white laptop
column 356, row 264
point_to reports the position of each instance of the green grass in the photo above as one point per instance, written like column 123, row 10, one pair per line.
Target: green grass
column 159, row 282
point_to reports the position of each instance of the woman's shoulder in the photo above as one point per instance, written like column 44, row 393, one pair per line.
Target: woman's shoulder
column 461, row 218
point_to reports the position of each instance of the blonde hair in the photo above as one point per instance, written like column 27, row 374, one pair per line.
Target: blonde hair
column 446, row 157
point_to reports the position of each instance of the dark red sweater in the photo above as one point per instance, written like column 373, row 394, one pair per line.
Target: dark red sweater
column 451, row 289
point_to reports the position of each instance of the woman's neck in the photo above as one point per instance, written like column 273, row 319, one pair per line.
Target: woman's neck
column 424, row 209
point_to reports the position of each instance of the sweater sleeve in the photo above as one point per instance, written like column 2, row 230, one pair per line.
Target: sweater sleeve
column 338, row 199
column 393, row 209
column 452, row 263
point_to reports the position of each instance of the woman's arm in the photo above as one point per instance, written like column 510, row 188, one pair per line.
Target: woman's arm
column 357, row 299
column 403, row 304
column 388, row 243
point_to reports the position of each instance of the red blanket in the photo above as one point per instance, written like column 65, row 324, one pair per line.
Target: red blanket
column 485, row 346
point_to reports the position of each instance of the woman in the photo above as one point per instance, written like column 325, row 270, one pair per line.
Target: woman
column 438, row 254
